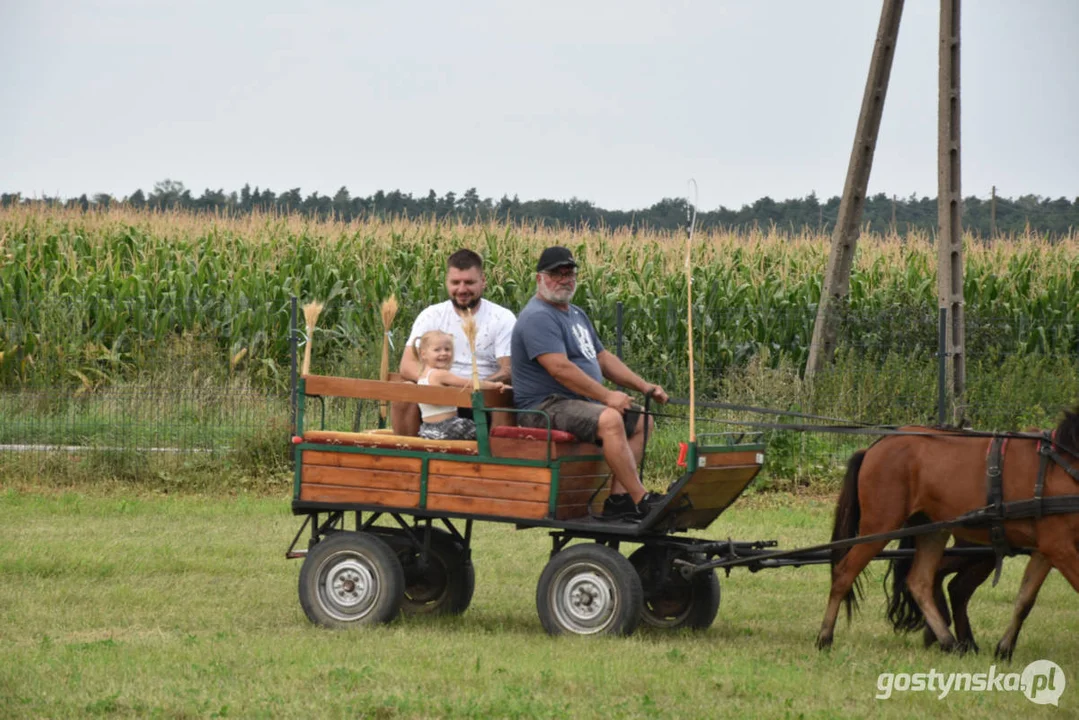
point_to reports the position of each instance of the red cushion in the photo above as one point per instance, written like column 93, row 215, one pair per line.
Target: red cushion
column 527, row 433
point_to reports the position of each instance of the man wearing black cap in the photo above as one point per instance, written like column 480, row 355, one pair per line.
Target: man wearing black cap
column 559, row 364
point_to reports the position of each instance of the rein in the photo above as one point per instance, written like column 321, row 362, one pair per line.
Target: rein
column 856, row 427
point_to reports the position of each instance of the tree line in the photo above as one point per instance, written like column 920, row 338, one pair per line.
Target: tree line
column 882, row 214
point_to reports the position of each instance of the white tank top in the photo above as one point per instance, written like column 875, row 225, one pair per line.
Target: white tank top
column 426, row 410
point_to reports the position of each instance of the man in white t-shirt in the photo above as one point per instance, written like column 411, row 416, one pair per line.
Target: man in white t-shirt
column 465, row 283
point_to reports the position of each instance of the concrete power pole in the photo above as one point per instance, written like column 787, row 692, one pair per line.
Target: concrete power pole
column 848, row 224
column 950, row 209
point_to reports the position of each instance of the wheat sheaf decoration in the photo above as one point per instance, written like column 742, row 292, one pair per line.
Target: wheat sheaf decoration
column 468, row 325
column 310, row 316
column 389, row 312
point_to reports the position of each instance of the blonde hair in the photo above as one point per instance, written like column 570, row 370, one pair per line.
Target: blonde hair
column 426, row 340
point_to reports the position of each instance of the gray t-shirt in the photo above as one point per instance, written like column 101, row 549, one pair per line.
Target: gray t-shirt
column 542, row 328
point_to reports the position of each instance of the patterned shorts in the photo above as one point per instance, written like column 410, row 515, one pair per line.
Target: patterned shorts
column 456, row 428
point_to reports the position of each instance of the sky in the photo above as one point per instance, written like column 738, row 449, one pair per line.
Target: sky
column 616, row 103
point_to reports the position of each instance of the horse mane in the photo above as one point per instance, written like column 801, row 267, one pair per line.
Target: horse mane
column 1067, row 432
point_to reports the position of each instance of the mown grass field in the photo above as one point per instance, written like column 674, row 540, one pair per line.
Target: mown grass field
column 120, row 603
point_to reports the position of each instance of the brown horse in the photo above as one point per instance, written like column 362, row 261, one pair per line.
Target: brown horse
column 941, row 475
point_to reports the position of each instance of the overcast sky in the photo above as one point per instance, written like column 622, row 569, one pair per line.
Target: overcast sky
column 618, row 103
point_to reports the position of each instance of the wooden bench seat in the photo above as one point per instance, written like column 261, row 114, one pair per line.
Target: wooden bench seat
column 381, row 439
column 530, row 433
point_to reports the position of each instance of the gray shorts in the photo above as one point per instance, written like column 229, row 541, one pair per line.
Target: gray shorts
column 579, row 417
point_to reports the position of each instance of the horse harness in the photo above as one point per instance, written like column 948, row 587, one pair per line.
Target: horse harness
column 997, row 511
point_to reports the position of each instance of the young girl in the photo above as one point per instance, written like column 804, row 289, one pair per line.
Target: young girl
column 434, row 349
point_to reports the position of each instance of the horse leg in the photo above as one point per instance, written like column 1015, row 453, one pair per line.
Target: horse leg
column 928, row 638
column 928, row 553
column 844, row 574
column 1037, row 570
column 1057, row 541
column 973, row 573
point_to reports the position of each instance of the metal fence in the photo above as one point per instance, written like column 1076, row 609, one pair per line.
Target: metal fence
column 194, row 406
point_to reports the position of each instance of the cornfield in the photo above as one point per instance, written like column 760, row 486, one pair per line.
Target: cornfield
column 91, row 299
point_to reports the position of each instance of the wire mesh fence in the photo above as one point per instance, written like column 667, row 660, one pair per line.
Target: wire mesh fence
column 194, row 401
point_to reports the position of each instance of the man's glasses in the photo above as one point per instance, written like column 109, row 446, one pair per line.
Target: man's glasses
column 561, row 273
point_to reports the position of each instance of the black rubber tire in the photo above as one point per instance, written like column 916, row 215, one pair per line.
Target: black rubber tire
column 446, row 585
column 677, row 602
column 589, row 589
column 350, row 579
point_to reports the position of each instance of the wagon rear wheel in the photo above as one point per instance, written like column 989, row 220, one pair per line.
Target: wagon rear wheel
column 350, row 579
column 440, row 585
column 589, row 590
column 672, row 601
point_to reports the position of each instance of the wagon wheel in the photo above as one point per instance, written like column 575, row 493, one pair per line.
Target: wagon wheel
column 443, row 585
column 672, row 601
column 350, row 579
column 589, row 590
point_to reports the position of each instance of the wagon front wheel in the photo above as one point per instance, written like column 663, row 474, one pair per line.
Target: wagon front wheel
column 672, row 601
column 589, row 590
column 349, row 579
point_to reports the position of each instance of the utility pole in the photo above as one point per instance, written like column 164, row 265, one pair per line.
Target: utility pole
column 848, row 224
column 950, row 207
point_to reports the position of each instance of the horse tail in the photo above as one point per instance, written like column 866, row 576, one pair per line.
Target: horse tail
column 903, row 610
column 848, row 514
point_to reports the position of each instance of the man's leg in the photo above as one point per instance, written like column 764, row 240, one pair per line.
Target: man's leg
column 619, row 454
column 405, row 418
column 636, row 439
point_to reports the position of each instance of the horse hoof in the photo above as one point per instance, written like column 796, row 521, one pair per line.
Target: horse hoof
column 962, row 647
column 1003, row 652
column 949, row 645
column 824, row 642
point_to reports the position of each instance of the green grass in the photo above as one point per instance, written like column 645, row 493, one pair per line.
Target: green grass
column 123, row 604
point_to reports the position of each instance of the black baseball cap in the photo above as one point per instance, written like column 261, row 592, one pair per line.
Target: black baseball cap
column 555, row 257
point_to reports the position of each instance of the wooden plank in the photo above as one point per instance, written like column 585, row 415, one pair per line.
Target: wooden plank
column 567, row 497
column 478, row 506
column 361, row 460
column 353, row 477
column 730, row 458
column 390, row 441
column 494, row 489
column 581, row 482
column 382, row 498
column 401, row 391
column 583, row 467
column 717, row 488
column 577, row 510
column 491, row 471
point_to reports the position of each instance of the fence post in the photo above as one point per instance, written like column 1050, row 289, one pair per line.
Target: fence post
column 942, row 365
column 618, row 329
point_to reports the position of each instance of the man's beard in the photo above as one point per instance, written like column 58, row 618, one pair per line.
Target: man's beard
column 557, row 295
column 471, row 306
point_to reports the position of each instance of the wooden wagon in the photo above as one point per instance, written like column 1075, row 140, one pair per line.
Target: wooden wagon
column 413, row 502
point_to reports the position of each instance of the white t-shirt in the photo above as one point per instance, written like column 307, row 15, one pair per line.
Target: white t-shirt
column 494, row 330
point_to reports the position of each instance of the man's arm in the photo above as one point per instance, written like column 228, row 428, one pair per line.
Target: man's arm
column 576, row 380
column 619, row 373
column 410, row 366
column 504, row 372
